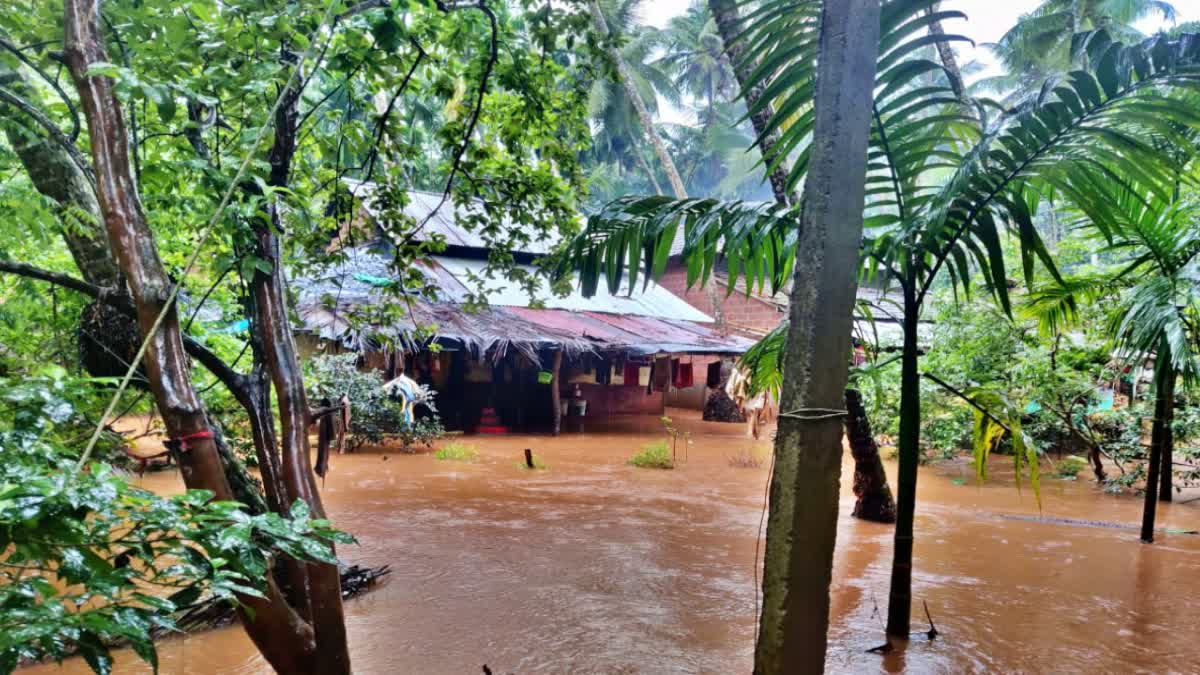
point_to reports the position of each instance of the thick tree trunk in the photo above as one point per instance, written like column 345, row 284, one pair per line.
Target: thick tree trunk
column 725, row 14
column 284, row 638
column 900, row 596
column 639, row 106
column 55, row 174
column 802, row 522
column 874, row 497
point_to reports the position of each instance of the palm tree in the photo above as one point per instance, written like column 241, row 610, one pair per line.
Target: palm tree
column 1040, row 45
column 635, row 97
column 942, row 185
column 695, row 55
column 1153, row 294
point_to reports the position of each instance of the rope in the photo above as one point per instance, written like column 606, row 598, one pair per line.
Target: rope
column 811, row 414
column 204, row 236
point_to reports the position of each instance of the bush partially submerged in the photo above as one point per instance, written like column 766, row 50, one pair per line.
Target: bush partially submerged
column 655, row 455
column 457, row 452
column 374, row 417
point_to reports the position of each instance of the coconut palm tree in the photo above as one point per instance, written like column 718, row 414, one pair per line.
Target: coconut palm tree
column 632, row 81
column 1040, row 45
column 943, row 184
column 695, row 55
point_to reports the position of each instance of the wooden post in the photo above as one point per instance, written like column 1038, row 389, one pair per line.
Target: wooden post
column 555, row 395
column 529, row 458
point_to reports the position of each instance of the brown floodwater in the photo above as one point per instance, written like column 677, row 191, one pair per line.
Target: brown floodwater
column 594, row 566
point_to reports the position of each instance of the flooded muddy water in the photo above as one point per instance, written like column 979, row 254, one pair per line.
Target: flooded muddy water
column 594, row 566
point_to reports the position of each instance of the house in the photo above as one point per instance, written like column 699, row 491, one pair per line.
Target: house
column 513, row 363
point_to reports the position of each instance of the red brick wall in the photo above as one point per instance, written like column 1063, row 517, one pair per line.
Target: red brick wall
column 749, row 316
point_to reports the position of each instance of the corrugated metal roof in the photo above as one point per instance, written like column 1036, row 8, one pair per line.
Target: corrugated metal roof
column 335, row 305
column 445, row 219
column 652, row 300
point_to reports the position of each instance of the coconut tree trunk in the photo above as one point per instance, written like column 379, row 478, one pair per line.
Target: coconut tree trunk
column 639, row 106
column 874, row 497
column 946, row 53
column 802, row 522
column 283, row 636
column 725, row 14
column 908, row 442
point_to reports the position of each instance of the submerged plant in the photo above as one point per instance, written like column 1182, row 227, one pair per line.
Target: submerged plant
column 457, row 452
column 747, row 458
column 656, row 455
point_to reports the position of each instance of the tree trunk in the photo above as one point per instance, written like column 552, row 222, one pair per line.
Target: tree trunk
column 1164, row 392
column 725, row 14
column 285, row 639
column 639, row 106
column 874, row 497
column 802, row 522
column 1166, row 471
column 555, row 394
column 946, row 53
column 900, row 596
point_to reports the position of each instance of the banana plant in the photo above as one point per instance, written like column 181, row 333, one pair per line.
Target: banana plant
column 947, row 179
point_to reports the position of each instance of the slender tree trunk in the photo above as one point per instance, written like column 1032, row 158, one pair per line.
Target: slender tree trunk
column 802, row 524
column 900, row 597
column 641, row 160
column 639, row 106
column 1164, row 392
column 1166, row 469
column 946, row 53
column 725, row 14
column 555, row 394
column 874, row 497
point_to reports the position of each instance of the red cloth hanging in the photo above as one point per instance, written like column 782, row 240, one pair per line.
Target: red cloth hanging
column 631, row 373
column 683, row 376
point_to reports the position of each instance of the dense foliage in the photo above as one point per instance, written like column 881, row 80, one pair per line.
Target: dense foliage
column 87, row 561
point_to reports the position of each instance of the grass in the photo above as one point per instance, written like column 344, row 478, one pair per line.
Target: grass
column 655, row 455
column 747, row 458
column 457, row 452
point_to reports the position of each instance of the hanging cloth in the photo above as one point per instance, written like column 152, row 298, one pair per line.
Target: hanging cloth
column 632, row 373
column 661, row 378
column 683, row 375
column 712, row 379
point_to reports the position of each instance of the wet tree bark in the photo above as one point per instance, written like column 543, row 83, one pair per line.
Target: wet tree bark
column 802, row 522
column 289, row 642
column 874, row 497
column 1166, row 471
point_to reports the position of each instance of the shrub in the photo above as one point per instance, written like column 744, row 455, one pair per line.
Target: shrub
column 458, row 452
column 655, row 455
column 747, row 458
column 373, row 415
column 1069, row 467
